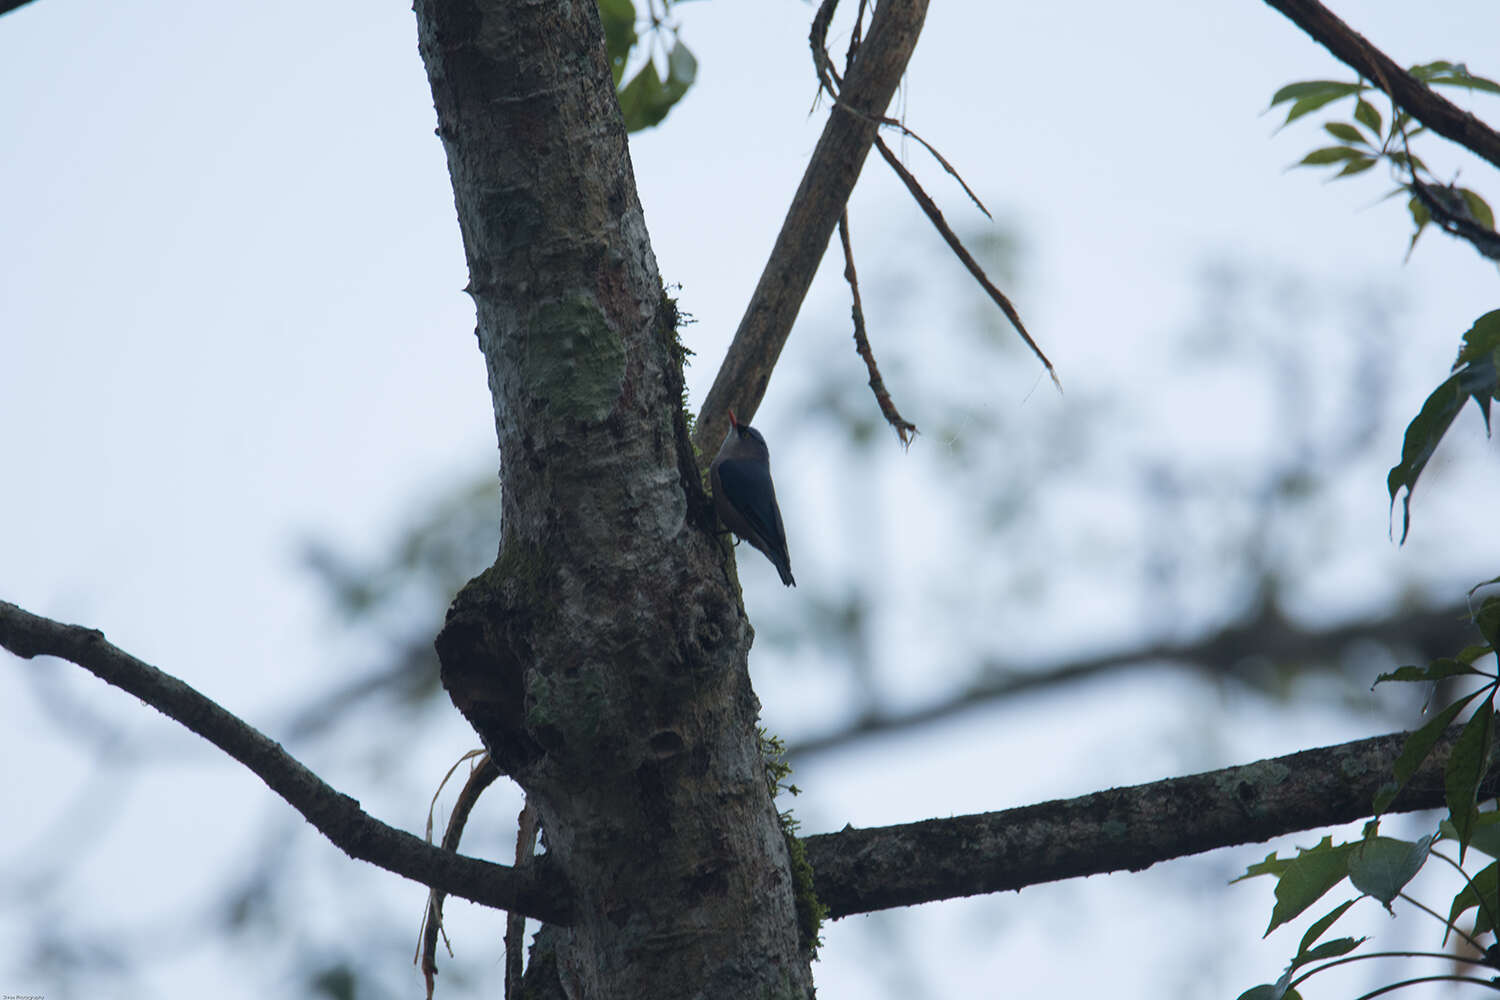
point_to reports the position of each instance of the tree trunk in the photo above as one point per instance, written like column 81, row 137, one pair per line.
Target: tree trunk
column 602, row 659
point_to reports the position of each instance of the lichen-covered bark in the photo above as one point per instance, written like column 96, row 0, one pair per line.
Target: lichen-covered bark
column 602, row 658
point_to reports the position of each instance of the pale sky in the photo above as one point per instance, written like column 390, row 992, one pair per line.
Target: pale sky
column 231, row 319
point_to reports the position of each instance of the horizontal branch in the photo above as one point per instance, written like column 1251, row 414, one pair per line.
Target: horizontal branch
column 1123, row 829
column 1421, row 101
column 1267, row 637
column 338, row 817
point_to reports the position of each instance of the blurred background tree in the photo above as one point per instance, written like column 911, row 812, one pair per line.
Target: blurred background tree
column 1145, row 577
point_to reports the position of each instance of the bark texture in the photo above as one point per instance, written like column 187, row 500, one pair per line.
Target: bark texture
column 602, row 659
column 1121, row 829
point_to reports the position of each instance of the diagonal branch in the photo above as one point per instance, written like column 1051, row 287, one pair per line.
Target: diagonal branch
column 338, row 817
column 1424, row 104
column 857, row 871
column 935, row 215
column 826, row 184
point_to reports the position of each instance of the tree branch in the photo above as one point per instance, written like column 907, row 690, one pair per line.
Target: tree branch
column 904, row 428
column 535, row 892
column 857, row 871
column 1426, row 105
column 1265, row 637
column 815, row 210
column 935, row 216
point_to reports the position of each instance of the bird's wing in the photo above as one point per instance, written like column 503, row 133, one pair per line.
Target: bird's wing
column 747, row 485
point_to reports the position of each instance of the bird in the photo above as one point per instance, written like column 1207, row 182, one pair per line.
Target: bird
column 745, row 497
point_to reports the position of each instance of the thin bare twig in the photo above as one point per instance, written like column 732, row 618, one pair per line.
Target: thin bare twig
column 481, row 777
column 829, row 79
column 904, row 429
column 942, row 161
column 956, row 245
column 829, row 82
column 818, row 39
column 337, row 816
column 528, row 823
column 812, row 217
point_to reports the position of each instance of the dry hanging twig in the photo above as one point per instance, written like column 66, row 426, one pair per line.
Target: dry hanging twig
column 904, row 429
column 958, row 248
column 886, row 45
column 483, row 775
column 829, row 81
column 527, row 825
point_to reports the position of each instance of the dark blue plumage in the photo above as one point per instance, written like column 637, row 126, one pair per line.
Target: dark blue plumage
column 745, row 497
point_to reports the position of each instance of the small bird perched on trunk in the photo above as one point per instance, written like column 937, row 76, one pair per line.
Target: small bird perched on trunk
column 745, row 497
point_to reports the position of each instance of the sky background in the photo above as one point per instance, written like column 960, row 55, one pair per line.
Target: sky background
column 231, row 322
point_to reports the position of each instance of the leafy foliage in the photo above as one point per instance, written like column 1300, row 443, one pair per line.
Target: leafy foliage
column 648, row 96
column 1380, row 867
column 1365, row 140
column 1474, row 377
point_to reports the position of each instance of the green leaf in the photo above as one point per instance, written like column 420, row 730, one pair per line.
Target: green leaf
column 1482, row 891
column 1416, row 749
column 647, row 98
column 644, row 100
column 1488, row 620
column 1485, row 837
column 1321, row 925
column 1426, row 71
column 1381, row 866
column 1309, row 875
column 1271, row 865
column 1471, row 653
column 1327, row 950
column 1269, row 991
column 618, row 17
column 1311, row 95
column 1357, row 166
column 1437, row 670
column 1367, row 115
column 1458, row 75
column 1420, row 217
column 1466, row 769
column 1478, row 208
column 682, row 67
column 1307, row 106
column 1478, row 363
column 1327, row 155
column 1334, row 89
column 1423, row 435
column 1480, row 340
column 1345, row 133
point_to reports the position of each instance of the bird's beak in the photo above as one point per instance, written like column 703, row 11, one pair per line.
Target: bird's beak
column 732, row 421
